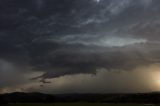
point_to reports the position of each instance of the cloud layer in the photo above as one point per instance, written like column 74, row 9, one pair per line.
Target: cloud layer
column 68, row 37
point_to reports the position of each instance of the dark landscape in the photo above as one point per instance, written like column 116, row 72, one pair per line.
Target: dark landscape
column 39, row 98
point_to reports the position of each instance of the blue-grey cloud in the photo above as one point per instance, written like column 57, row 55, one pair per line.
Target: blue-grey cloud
column 61, row 37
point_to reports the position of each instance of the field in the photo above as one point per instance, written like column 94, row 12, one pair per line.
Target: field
column 80, row 104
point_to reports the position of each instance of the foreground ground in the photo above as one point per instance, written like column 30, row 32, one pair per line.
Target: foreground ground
column 81, row 104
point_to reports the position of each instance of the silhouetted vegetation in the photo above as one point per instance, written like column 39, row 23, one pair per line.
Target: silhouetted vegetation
column 90, row 98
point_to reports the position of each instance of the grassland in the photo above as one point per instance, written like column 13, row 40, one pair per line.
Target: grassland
column 80, row 104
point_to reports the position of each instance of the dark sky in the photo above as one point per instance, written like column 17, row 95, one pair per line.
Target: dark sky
column 66, row 46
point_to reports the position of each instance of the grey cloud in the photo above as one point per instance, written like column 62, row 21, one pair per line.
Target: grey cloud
column 118, row 6
column 60, row 37
column 89, row 60
column 9, row 74
column 108, row 40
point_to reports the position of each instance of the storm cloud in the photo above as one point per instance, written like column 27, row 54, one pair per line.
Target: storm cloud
column 69, row 37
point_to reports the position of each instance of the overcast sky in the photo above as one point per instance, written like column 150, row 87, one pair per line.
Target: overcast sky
column 79, row 46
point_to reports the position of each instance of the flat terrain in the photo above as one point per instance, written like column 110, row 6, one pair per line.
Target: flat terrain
column 80, row 104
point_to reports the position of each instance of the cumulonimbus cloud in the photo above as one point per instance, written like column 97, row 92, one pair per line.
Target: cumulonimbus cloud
column 61, row 37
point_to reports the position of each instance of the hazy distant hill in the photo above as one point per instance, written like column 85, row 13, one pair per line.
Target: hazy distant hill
column 108, row 98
